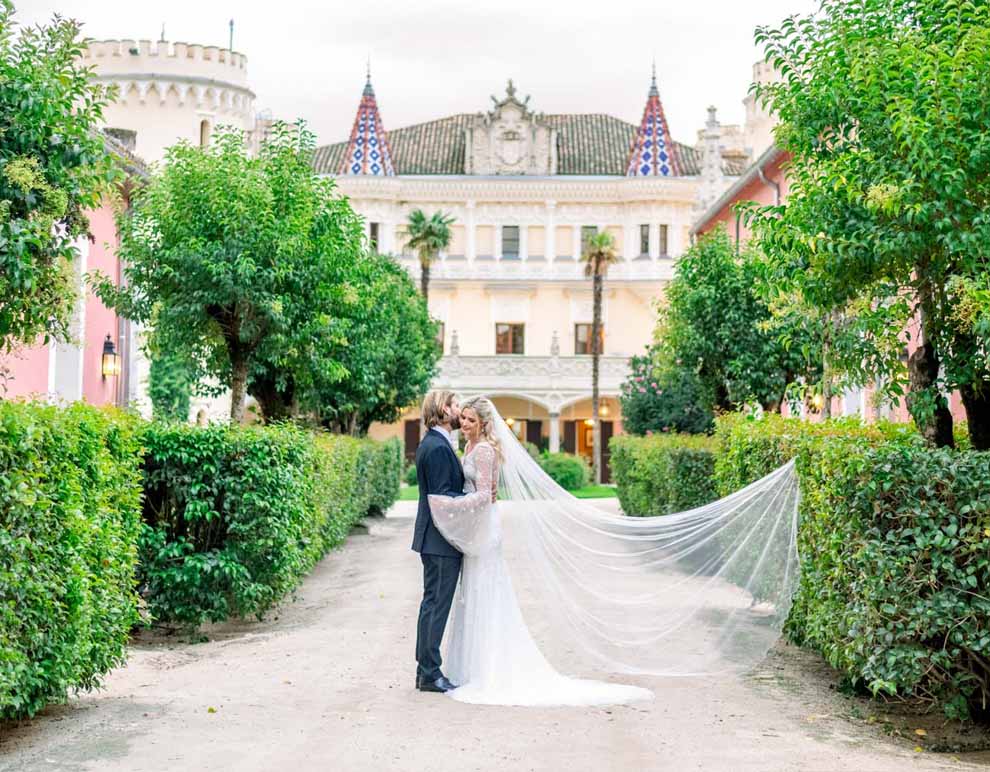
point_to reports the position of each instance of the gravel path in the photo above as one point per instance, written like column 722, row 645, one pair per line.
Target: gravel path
column 326, row 684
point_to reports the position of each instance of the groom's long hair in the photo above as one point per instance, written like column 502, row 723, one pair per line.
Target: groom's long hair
column 434, row 405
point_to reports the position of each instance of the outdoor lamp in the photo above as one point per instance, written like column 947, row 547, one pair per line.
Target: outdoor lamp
column 510, row 421
column 589, row 421
column 818, row 402
column 604, row 408
column 111, row 359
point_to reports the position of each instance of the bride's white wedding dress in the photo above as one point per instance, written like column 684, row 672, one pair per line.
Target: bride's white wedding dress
column 490, row 652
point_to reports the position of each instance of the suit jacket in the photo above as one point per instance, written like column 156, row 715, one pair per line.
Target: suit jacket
column 438, row 471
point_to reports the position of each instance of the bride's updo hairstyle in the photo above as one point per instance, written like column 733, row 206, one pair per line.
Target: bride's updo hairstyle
column 485, row 411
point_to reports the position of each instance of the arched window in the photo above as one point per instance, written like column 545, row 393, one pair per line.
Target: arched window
column 204, row 133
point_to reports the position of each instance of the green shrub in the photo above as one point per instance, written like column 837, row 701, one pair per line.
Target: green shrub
column 663, row 473
column 70, row 514
column 895, row 552
column 411, row 478
column 568, row 471
column 236, row 516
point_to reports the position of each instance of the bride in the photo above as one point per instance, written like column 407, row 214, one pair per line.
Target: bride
column 490, row 651
column 701, row 592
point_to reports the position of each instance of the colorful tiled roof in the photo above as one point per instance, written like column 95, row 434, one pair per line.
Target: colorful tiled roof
column 652, row 153
column 587, row 144
column 367, row 151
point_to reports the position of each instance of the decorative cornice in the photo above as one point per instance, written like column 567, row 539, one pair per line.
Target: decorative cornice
column 156, row 77
column 562, row 190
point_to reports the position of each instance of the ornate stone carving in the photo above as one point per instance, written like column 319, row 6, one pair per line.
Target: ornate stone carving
column 510, row 139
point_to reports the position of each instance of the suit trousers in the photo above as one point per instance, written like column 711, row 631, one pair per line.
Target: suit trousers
column 440, row 575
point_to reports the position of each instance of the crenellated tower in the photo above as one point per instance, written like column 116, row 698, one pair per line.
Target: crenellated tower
column 171, row 91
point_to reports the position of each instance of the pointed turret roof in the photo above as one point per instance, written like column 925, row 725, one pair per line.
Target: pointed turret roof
column 653, row 153
column 368, row 151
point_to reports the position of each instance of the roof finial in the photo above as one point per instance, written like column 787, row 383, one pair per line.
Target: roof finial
column 654, row 91
column 510, row 90
column 368, row 90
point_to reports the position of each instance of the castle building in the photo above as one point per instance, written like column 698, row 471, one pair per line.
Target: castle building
column 526, row 190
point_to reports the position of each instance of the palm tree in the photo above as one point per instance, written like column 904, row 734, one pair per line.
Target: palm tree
column 428, row 236
column 599, row 254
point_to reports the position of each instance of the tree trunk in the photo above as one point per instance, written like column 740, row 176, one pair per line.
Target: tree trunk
column 826, row 369
column 238, row 388
column 923, row 368
column 424, row 281
column 977, row 404
column 277, row 404
column 596, row 326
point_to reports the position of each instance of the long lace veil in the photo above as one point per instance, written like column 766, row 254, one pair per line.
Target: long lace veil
column 694, row 593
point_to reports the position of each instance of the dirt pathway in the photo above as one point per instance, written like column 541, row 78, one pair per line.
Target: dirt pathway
column 326, row 684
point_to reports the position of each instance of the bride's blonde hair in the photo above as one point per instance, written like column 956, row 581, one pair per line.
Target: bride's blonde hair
column 486, row 417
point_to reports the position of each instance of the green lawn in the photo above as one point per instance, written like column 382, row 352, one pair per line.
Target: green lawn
column 411, row 492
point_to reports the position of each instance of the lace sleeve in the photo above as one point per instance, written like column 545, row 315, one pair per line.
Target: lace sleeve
column 465, row 521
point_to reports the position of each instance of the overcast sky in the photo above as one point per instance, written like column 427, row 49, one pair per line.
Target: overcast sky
column 431, row 58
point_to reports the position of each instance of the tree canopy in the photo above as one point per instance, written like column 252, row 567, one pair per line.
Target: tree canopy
column 717, row 322
column 884, row 108
column 238, row 259
column 53, row 166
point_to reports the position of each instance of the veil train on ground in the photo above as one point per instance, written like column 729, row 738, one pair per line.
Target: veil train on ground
column 700, row 592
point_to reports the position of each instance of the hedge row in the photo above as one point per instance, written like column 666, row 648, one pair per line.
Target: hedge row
column 233, row 518
column 70, row 515
column 663, row 473
column 895, row 552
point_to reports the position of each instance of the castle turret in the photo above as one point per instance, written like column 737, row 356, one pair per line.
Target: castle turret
column 368, row 151
column 653, row 153
column 172, row 91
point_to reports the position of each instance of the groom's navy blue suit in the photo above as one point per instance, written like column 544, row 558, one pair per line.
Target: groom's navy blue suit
column 438, row 471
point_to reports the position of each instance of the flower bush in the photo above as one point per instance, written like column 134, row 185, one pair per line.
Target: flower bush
column 664, row 400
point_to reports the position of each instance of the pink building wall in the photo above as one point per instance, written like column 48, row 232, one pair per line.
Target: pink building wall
column 31, row 370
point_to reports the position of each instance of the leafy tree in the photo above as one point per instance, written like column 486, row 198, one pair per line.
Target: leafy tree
column 885, row 110
column 238, row 259
column 664, row 399
column 389, row 351
column 428, row 236
column 718, row 323
column 599, row 254
column 53, row 167
column 169, row 387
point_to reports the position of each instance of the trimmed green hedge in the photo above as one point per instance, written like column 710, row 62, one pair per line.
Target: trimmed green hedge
column 895, row 552
column 70, row 513
column 663, row 473
column 236, row 516
column 567, row 470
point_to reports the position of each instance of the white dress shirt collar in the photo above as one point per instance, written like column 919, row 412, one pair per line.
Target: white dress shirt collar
column 445, row 433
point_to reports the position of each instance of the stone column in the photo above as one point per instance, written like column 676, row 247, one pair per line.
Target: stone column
column 550, row 236
column 576, row 246
column 523, row 242
column 471, row 246
column 497, row 239
column 555, row 432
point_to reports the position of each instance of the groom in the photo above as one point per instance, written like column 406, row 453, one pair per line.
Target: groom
column 438, row 471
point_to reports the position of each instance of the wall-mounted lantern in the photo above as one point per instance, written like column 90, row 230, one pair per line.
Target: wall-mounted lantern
column 111, row 359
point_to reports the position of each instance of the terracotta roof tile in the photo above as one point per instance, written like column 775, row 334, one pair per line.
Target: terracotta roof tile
column 587, row 144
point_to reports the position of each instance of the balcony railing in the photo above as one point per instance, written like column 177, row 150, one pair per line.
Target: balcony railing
column 561, row 269
column 550, row 380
